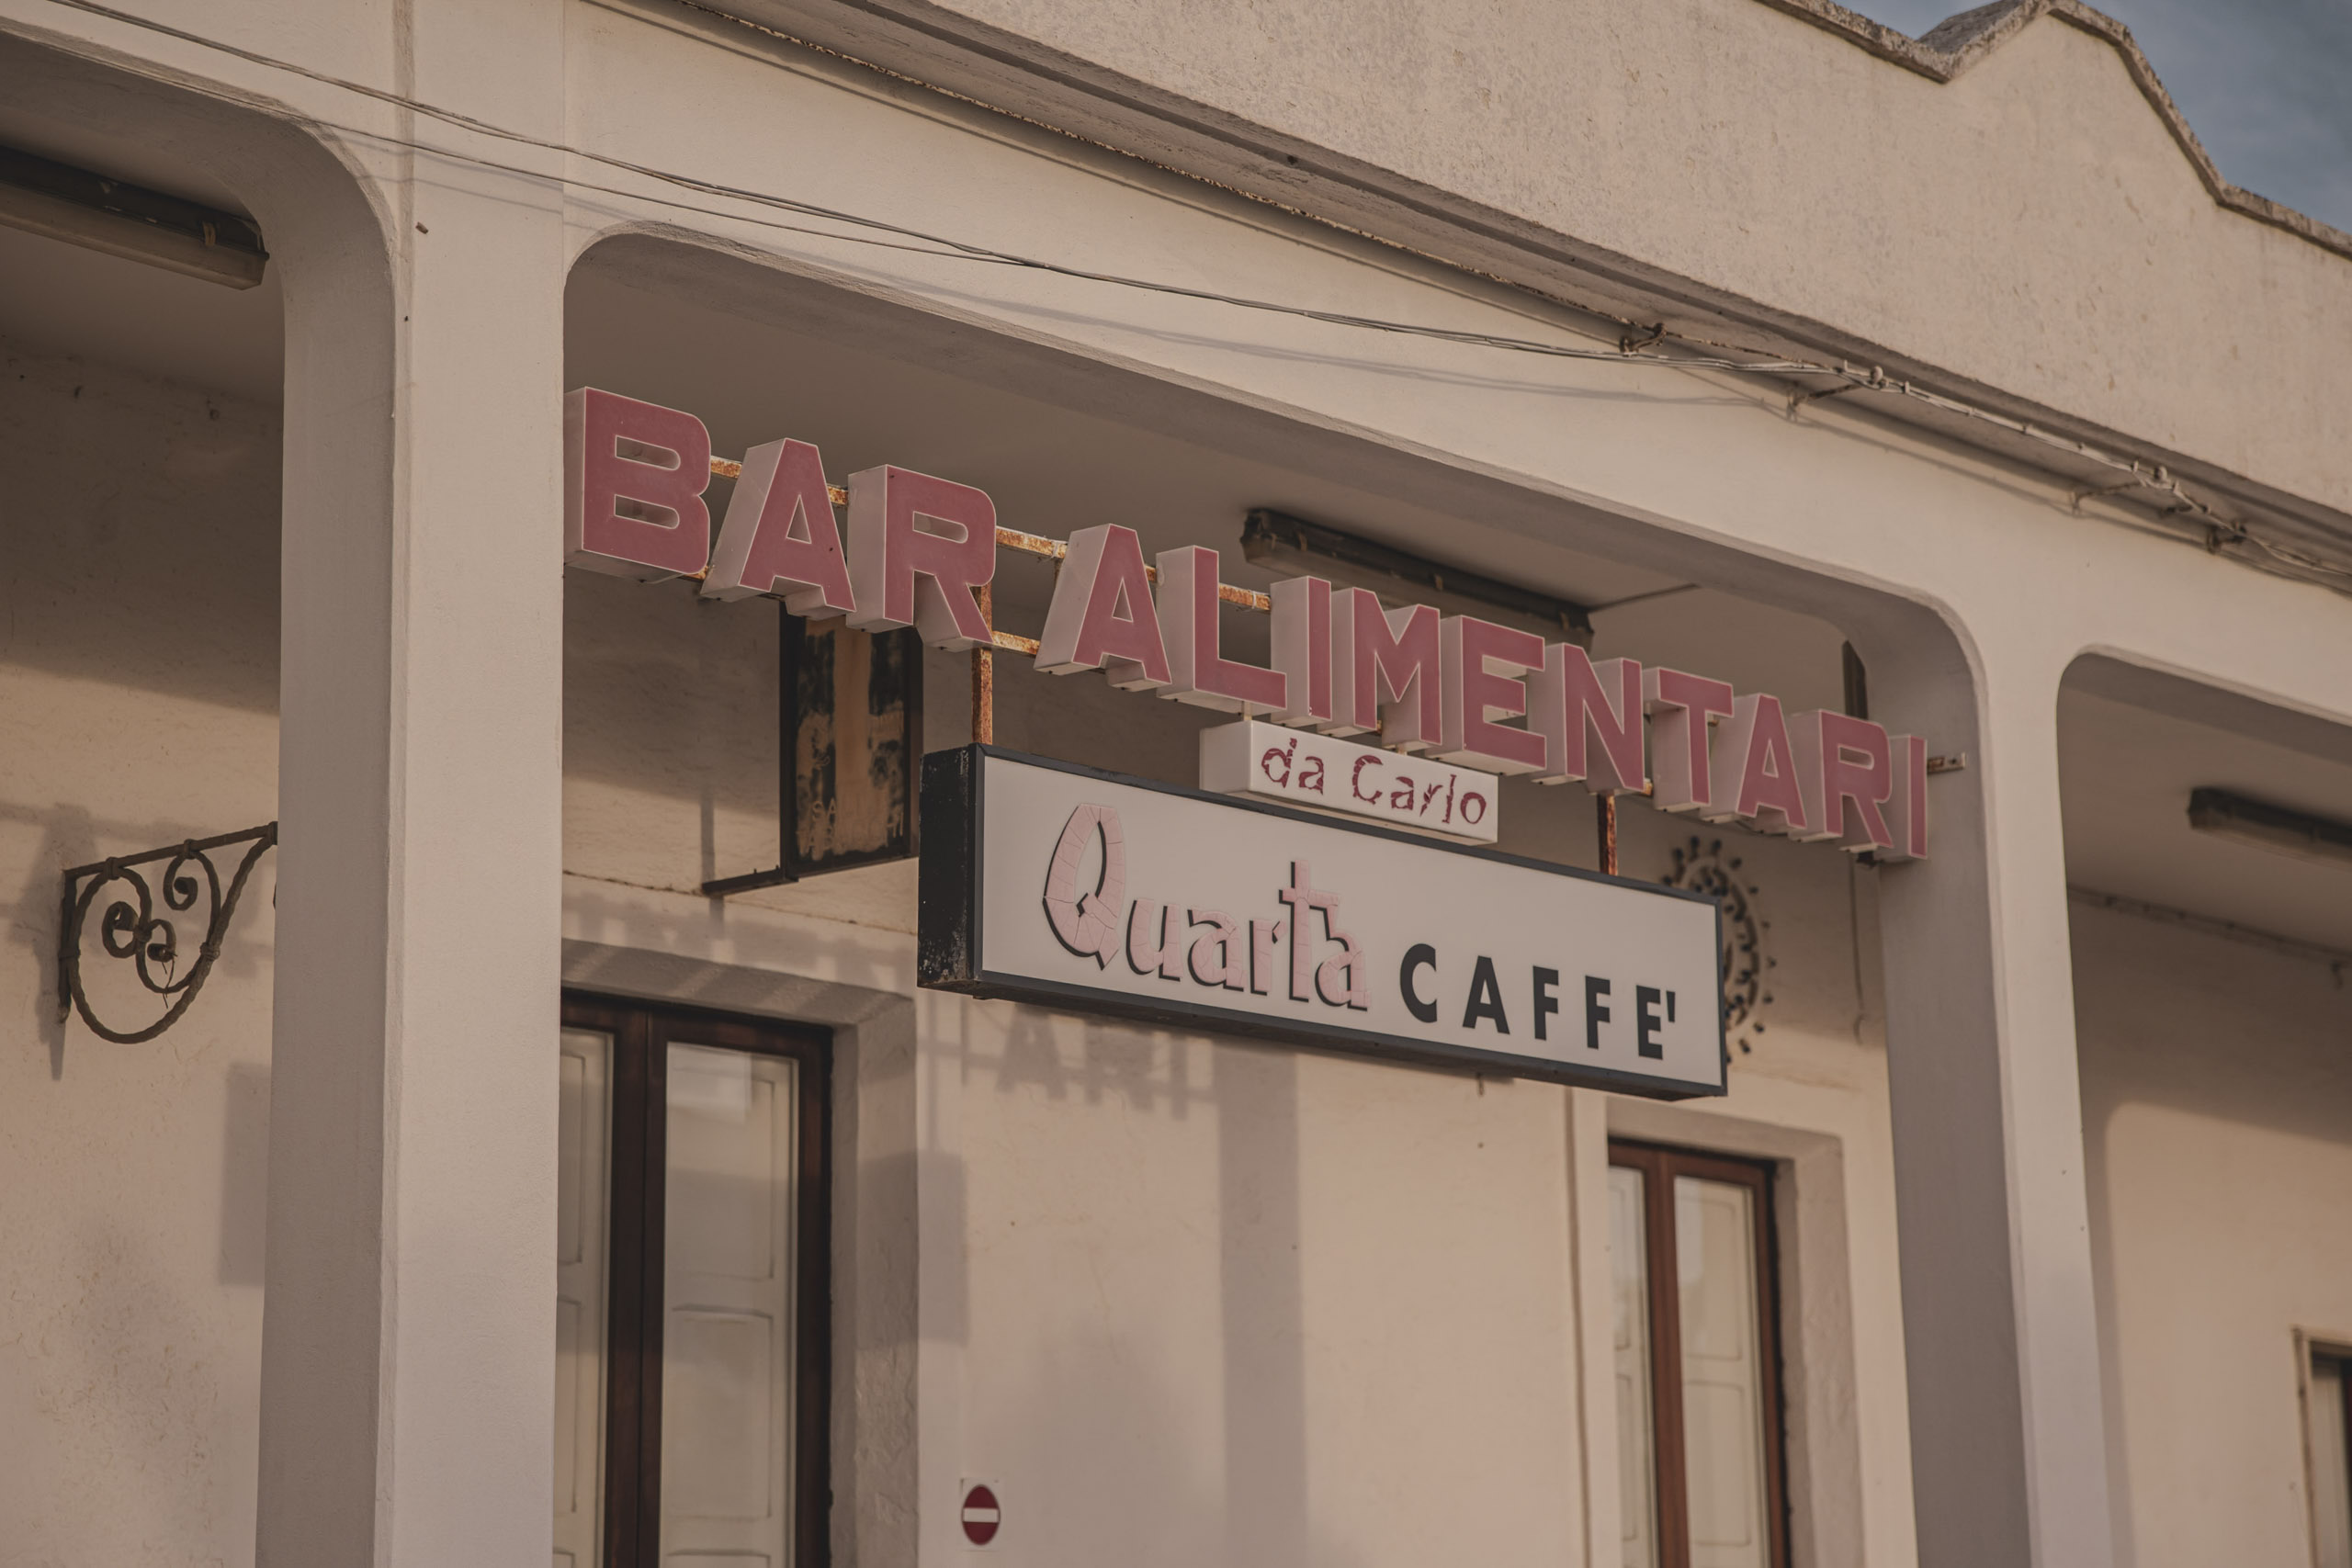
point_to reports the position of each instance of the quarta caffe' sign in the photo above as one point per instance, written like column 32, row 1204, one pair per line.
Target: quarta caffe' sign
column 1451, row 700
column 1048, row 883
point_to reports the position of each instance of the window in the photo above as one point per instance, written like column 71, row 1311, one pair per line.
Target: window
column 1698, row 1360
column 692, row 1299
column 2328, row 1412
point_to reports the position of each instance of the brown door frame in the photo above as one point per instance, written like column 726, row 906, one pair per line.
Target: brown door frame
column 640, row 1033
column 1659, row 1164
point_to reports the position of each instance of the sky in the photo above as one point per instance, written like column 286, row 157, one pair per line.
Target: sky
column 2266, row 85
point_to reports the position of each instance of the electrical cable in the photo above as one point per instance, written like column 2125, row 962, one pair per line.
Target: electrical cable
column 2212, row 531
column 947, row 246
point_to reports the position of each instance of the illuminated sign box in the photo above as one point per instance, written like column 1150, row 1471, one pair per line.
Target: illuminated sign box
column 1048, row 883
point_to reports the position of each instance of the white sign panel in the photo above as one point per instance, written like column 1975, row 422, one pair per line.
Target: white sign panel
column 1048, row 883
column 1303, row 769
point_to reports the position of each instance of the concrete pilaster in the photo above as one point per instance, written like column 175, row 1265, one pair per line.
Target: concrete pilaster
column 408, row 1356
column 2001, row 1336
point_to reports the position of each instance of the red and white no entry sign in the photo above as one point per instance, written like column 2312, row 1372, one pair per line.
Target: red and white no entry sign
column 983, row 1516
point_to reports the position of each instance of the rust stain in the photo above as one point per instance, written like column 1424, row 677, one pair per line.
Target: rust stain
column 852, row 753
column 1054, row 549
column 728, row 468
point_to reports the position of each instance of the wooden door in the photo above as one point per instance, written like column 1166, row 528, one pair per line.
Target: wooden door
column 694, row 1253
column 583, row 1217
column 727, row 1331
column 1696, row 1360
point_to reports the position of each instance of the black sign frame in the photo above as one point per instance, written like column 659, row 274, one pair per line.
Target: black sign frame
column 949, row 953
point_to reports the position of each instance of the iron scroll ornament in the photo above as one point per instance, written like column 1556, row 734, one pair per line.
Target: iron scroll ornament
column 1702, row 866
column 131, row 928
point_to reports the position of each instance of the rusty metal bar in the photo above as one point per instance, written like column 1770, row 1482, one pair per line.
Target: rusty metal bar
column 983, row 675
column 984, row 665
column 1054, row 549
column 1027, row 544
column 1032, row 544
column 728, row 468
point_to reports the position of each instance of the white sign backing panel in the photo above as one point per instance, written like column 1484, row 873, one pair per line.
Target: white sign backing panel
column 1298, row 767
column 1049, row 882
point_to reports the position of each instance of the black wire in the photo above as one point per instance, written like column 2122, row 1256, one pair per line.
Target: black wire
column 2216, row 531
column 947, row 246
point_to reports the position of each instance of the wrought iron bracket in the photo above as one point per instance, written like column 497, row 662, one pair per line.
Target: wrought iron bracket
column 132, row 930
column 1702, row 866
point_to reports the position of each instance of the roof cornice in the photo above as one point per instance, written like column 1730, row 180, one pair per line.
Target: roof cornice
column 934, row 46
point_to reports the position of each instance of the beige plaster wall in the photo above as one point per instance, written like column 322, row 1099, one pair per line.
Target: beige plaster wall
column 1243, row 1295
column 1233, row 1304
column 657, row 802
column 2032, row 225
column 2216, row 1109
column 138, row 693
column 1222, row 1301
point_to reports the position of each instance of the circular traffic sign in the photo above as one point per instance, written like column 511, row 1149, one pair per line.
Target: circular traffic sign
column 983, row 1514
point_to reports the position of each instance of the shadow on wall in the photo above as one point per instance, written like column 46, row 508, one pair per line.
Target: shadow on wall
column 2228, row 1041
column 1144, row 1490
column 670, row 694
column 71, row 836
column 1265, row 1314
column 157, row 564
column 245, row 1174
column 619, row 947
column 1128, row 1486
column 1151, row 1211
column 2173, row 1018
column 125, row 1375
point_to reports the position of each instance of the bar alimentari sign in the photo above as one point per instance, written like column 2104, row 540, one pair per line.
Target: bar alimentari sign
column 1457, row 689
column 1047, row 883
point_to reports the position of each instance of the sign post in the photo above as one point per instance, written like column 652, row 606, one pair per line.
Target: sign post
column 1053, row 884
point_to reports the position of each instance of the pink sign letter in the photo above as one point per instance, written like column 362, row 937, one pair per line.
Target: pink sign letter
column 1755, row 770
column 1385, row 670
column 1198, row 673
column 1102, row 616
column 1679, row 706
column 1485, row 666
column 1576, row 702
column 906, row 576
column 633, row 478
column 1844, row 761
column 1303, row 648
column 780, row 538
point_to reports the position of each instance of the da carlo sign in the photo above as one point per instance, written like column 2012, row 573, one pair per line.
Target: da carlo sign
column 1317, row 772
column 1048, row 883
column 1458, row 691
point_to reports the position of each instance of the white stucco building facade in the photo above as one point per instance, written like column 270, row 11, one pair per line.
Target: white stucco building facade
column 1786, row 349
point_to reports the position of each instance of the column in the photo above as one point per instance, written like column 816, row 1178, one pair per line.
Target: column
column 2001, row 1336
column 408, row 1354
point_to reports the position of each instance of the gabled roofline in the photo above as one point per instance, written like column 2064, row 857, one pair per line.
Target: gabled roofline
column 1958, row 43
